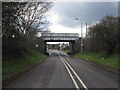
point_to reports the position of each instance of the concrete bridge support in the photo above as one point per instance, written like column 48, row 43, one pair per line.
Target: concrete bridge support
column 72, row 46
column 78, row 45
column 45, row 47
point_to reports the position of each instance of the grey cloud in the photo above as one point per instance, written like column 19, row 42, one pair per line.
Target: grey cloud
column 89, row 12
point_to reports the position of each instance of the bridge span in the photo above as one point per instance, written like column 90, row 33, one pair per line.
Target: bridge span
column 72, row 38
column 60, row 36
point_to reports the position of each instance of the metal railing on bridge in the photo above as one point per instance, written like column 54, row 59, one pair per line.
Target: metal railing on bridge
column 60, row 36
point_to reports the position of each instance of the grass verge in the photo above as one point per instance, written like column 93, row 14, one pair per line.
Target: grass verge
column 111, row 61
column 13, row 66
column 66, row 51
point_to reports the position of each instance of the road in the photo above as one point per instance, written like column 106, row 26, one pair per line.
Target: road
column 59, row 70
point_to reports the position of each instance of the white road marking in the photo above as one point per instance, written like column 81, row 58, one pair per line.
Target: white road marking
column 79, row 79
column 76, row 75
column 71, row 75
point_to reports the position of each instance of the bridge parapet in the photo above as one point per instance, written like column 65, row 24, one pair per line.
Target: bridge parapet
column 60, row 36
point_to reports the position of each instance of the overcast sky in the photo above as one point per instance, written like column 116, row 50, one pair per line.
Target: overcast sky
column 62, row 15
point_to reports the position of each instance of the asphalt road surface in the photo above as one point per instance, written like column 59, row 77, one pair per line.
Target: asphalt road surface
column 59, row 70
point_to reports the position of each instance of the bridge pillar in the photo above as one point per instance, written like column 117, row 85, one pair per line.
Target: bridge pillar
column 72, row 47
column 78, row 45
column 45, row 47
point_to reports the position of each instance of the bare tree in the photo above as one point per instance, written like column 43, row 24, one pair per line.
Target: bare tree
column 21, row 22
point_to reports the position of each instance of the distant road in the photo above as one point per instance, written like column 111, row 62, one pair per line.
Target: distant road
column 59, row 70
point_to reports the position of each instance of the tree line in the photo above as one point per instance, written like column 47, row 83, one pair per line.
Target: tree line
column 21, row 24
column 103, row 36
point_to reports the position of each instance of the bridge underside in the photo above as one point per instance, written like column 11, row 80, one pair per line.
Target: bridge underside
column 72, row 45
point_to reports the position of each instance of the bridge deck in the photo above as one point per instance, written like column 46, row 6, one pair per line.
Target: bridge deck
column 60, row 36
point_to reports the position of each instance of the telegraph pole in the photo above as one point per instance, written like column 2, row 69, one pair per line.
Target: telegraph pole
column 81, row 39
column 86, row 29
column 81, row 36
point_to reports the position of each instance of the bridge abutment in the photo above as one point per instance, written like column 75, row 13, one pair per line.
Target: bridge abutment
column 45, row 47
column 73, row 48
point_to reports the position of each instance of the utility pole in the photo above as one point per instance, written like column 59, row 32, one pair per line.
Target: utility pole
column 81, row 36
column 86, row 29
column 81, row 39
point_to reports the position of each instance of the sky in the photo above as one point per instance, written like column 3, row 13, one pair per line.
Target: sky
column 63, row 15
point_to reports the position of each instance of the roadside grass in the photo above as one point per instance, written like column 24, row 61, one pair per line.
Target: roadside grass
column 13, row 67
column 111, row 61
column 66, row 51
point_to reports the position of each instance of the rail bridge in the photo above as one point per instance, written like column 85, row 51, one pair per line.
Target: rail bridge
column 72, row 38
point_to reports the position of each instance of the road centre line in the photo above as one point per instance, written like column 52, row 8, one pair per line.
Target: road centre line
column 76, row 75
column 79, row 79
column 75, row 83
